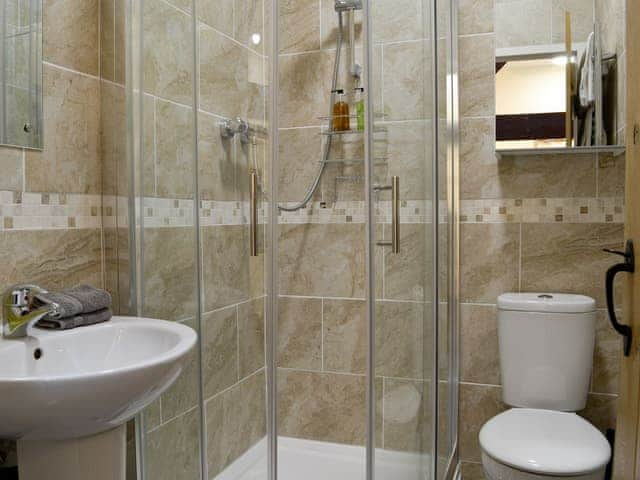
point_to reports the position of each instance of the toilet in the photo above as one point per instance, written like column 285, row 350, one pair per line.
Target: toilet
column 546, row 353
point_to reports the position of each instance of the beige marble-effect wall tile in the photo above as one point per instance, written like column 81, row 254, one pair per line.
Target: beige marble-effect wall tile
column 475, row 16
column 251, row 337
column 399, row 339
column 607, row 356
column 300, row 153
column 111, row 266
column 120, row 41
column 248, row 21
column 601, row 411
column 107, row 39
column 403, row 415
column 218, row 166
column 235, row 420
column 407, row 275
column 231, row 78
column 219, row 350
column 472, row 471
column 153, row 415
column 169, row 273
column 556, row 176
column 150, row 129
column 611, row 176
column 305, row 84
column 483, row 175
column 300, row 333
column 112, row 148
column 309, row 255
column 477, row 75
column 581, row 19
column 182, row 396
column 225, row 265
column 70, row 161
column 523, row 22
column 480, row 170
column 478, row 404
column 172, row 449
column 568, row 258
column 217, row 14
column 11, row 168
column 345, row 335
column 395, row 21
column 489, row 261
column 405, row 150
column 181, row 4
column 53, row 259
column 479, row 356
column 329, row 24
column 175, row 160
column 70, row 32
column 299, row 26
column 168, row 47
column 406, row 80
column 327, row 407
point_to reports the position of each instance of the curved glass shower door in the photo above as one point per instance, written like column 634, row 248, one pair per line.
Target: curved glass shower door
column 402, row 154
column 285, row 192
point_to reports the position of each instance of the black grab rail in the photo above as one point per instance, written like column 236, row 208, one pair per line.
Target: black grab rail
column 629, row 265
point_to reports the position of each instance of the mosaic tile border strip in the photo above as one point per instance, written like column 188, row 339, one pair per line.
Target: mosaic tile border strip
column 42, row 211
column 39, row 211
column 543, row 210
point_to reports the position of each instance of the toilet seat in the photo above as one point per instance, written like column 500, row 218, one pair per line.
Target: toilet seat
column 544, row 442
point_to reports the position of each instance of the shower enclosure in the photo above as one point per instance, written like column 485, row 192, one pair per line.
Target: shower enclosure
column 314, row 253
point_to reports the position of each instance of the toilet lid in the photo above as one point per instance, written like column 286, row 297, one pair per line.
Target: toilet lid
column 545, row 442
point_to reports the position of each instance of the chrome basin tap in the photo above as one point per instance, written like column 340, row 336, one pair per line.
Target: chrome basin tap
column 19, row 311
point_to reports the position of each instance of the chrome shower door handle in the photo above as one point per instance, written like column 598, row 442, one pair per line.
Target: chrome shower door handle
column 395, row 214
column 253, row 227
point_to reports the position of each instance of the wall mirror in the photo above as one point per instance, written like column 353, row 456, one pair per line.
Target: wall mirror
column 556, row 76
column 21, row 74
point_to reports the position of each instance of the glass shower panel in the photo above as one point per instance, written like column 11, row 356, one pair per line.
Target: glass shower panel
column 447, row 427
column 233, row 187
column 322, row 325
column 405, row 203
column 164, row 121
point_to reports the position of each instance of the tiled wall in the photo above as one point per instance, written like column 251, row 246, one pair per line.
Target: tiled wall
column 534, row 223
column 322, row 322
column 50, row 228
column 540, row 22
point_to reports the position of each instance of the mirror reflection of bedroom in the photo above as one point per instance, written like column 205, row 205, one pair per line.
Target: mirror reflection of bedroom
column 556, row 77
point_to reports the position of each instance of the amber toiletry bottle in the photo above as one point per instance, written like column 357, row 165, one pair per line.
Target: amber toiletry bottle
column 340, row 121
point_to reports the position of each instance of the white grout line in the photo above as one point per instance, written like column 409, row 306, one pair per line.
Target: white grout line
column 235, row 385
column 70, row 70
column 169, row 420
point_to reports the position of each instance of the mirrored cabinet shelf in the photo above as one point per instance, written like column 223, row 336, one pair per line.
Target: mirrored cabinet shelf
column 615, row 150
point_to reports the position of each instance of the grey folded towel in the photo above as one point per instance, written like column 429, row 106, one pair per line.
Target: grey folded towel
column 77, row 300
column 68, row 306
column 76, row 321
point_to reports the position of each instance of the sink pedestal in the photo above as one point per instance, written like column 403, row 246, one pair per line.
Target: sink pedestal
column 99, row 457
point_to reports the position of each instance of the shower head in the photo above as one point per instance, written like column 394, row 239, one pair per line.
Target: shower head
column 344, row 5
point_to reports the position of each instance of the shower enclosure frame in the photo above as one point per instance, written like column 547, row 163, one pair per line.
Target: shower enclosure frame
column 450, row 204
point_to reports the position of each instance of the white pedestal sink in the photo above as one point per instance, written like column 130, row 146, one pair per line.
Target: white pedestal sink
column 66, row 395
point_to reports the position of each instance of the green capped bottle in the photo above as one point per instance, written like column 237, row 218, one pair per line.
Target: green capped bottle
column 359, row 107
